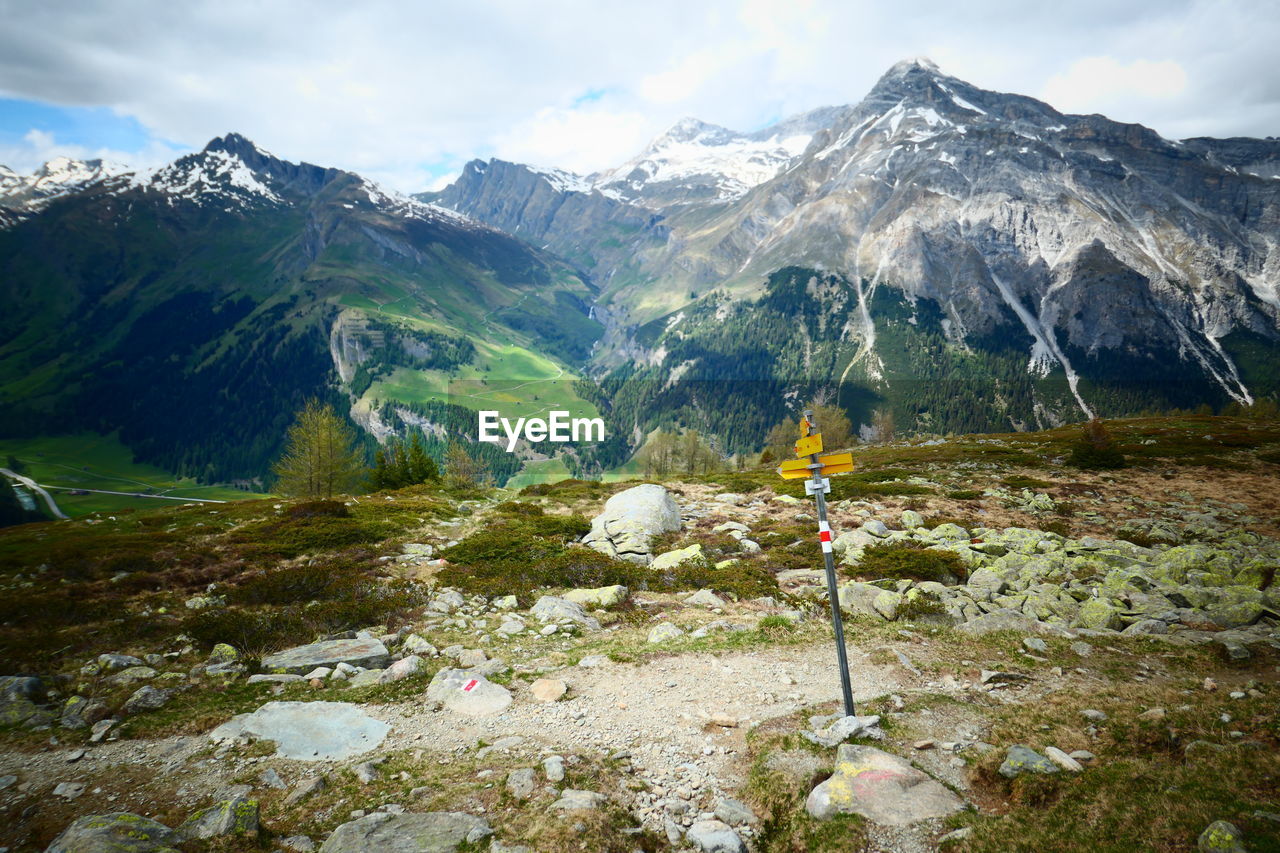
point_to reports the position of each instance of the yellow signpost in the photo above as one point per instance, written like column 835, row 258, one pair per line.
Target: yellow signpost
column 815, row 469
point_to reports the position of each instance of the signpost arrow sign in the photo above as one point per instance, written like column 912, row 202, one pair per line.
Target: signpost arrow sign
column 815, row 469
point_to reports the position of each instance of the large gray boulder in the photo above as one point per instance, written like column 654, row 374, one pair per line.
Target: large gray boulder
column 883, row 788
column 429, row 832
column 469, row 693
column 308, row 731
column 119, row 832
column 552, row 608
column 713, row 836
column 237, row 816
column 631, row 519
column 370, row 654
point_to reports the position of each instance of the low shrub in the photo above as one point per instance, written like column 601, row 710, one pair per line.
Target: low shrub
column 307, row 533
column 1095, row 450
column 557, row 566
column 910, row 561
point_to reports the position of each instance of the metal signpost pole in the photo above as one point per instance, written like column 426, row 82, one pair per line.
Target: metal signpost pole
column 824, row 535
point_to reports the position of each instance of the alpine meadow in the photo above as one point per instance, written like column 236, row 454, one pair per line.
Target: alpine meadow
column 900, row 473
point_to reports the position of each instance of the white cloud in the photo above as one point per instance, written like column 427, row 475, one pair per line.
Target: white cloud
column 40, row 146
column 408, row 92
column 580, row 140
column 1100, row 83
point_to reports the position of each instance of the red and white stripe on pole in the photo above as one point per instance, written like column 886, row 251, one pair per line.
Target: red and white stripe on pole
column 824, row 536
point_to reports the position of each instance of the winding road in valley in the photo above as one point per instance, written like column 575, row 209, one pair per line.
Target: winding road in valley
column 38, row 489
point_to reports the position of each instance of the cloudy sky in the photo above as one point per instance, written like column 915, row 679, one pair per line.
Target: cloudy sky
column 406, row 92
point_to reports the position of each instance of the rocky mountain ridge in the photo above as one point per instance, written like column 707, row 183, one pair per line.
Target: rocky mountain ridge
column 1081, row 239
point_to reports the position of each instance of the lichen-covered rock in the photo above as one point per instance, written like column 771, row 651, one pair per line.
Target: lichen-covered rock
column 1023, row 759
column 605, row 596
column 147, row 698
column 886, row 603
column 1221, row 837
column 237, row 816
column 678, row 557
column 883, row 788
column 1098, row 613
column 630, row 520
column 118, row 832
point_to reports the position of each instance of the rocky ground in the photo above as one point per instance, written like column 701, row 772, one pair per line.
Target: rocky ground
column 1041, row 659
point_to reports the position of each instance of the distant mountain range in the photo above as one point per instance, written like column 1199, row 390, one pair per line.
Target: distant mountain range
column 966, row 259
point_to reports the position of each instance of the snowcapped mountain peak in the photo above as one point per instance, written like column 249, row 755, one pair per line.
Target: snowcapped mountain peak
column 922, row 63
column 219, row 174
column 24, row 195
column 698, row 161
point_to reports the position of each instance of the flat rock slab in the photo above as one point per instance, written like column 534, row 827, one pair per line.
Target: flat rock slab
column 300, row 660
column 308, row 731
column 429, row 832
column 884, row 788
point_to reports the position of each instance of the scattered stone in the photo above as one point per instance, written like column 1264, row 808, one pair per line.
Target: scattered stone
column 472, row 657
column 305, row 788
column 1082, row 648
column 881, row 787
column 111, row 663
column 923, row 744
column 308, row 731
column 1023, row 759
column 1083, row 755
column 1035, row 644
column 428, row 832
column 99, row 730
column 1062, row 759
column 298, row 844
column 75, row 755
column 267, row 678
column 844, row 728
column 238, row 816
column 575, row 800
column 1221, row 837
column 468, row 693
column 734, row 812
column 402, row 669
column 704, row 598
column 367, row 773
column 418, row 645
column 370, row 654
column 1094, row 716
column 520, row 783
column 548, row 689
column 1152, row 714
column 553, row 766
column 714, row 836
column 119, row 831
column 271, row 779
column 68, row 790
column 994, row 677
column 956, row 835
column 147, row 698
column 665, row 631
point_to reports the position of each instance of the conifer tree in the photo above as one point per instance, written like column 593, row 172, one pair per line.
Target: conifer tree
column 422, row 468
column 320, row 457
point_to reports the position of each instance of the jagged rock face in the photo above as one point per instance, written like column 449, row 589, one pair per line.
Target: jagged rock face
column 1078, row 233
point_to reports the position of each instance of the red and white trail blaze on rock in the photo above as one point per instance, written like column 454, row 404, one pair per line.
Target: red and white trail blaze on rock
column 824, row 536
